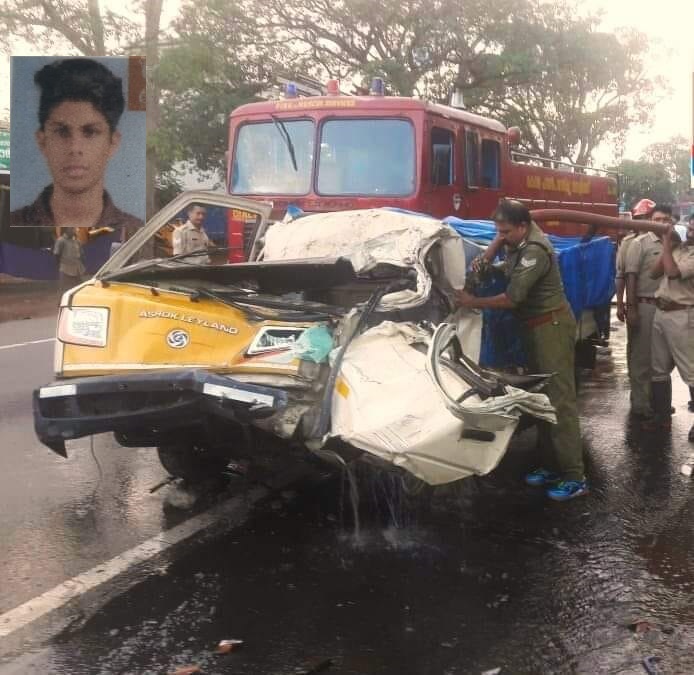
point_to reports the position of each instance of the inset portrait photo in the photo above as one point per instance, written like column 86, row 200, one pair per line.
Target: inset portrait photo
column 78, row 142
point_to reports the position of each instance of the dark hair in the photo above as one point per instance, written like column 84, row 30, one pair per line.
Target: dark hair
column 512, row 211
column 196, row 205
column 80, row 80
column 663, row 208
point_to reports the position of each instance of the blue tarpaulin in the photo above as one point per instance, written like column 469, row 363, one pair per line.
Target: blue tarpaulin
column 587, row 271
column 587, row 268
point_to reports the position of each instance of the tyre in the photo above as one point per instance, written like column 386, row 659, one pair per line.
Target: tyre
column 191, row 462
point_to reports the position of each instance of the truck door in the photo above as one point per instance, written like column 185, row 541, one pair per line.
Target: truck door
column 482, row 179
column 444, row 194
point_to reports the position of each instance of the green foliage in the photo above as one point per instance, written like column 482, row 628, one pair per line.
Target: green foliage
column 537, row 65
column 644, row 179
column 210, row 69
column 540, row 65
column 674, row 156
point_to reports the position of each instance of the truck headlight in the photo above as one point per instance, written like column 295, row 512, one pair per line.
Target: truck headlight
column 83, row 326
column 274, row 338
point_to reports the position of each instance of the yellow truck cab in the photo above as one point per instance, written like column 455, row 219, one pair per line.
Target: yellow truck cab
column 324, row 341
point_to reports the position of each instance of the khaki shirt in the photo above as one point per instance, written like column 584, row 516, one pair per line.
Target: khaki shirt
column 535, row 285
column 68, row 250
column 622, row 253
column 188, row 239
column 680, row 289
column 640, row 258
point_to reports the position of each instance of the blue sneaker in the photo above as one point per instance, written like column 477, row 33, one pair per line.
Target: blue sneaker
column 542, row 477
column 568, row 489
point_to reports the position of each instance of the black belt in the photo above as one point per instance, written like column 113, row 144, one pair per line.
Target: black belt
column 669, row 306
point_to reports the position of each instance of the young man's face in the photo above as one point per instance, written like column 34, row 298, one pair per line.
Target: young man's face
column 77, row 144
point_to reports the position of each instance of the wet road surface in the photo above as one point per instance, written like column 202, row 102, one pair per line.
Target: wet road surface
column 61, row 517
column 485, row 575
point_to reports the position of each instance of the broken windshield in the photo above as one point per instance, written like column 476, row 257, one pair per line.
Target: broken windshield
column 273, row 158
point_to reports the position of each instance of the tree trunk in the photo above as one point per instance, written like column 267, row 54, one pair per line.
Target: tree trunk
column 152, row 21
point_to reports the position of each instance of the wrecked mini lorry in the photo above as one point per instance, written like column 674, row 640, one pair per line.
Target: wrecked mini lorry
column 338, row 340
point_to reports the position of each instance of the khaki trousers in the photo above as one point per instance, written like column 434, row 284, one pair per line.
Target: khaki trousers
column 550, row 348
column 673, row 344
column 639, row 339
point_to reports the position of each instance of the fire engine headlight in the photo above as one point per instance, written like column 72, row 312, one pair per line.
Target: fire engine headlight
column 83, row 326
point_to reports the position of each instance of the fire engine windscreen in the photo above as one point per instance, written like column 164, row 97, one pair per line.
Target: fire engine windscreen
column 263, row 162
column 366, row 157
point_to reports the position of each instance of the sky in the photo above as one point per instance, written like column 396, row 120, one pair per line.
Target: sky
column 668, row 23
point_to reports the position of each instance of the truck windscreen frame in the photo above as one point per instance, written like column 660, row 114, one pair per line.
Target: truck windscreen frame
column 262, row 161
column 370, row 157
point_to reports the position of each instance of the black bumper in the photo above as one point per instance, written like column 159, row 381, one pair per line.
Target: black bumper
column 167, row 400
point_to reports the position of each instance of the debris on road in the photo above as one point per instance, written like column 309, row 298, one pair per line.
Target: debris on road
column 186, row 670
column 641, row 626
column 650, row 664
column 226, row 646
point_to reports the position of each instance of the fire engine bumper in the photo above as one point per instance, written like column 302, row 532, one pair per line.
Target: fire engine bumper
column 159, row 401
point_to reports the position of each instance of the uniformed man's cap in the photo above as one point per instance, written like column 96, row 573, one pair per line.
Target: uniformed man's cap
column 644, row 207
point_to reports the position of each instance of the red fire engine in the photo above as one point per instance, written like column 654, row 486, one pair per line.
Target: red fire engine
column 335, row 152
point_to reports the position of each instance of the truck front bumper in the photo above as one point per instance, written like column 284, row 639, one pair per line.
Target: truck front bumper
column 160, row 400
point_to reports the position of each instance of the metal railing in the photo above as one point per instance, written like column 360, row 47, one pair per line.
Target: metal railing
column 549, row 163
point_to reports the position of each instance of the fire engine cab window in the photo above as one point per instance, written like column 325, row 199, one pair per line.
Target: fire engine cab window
column 491, row 156
column 366, row 157
column 472, row 159
column 273, row 158
column 441, row 157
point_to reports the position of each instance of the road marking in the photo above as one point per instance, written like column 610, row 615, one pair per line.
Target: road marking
column 24, row 344
column 60, row 595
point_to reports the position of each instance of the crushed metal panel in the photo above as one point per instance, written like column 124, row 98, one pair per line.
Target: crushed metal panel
column 369, row 238
column 386, row 404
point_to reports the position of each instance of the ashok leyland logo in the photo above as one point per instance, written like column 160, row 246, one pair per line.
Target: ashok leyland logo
column 177, row 339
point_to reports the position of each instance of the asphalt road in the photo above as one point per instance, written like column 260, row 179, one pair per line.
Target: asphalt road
column 61, row 517
column 485, row 575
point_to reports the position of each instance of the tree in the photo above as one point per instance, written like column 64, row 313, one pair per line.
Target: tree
column 643, row 179
column 216, row 62
column 585, row 86
column 674, row 156
column 421, row 48
column 537, row 65
column 81, row 25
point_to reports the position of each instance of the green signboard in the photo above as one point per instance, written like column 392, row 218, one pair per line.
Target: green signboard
column 5, row 150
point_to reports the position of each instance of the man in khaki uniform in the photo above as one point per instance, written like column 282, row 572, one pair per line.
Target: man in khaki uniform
column 673, row 324
column 536, row 293
column 642, row 209
column 191, row 237
column 620, row 280
column 68, row 252
column 639, row 261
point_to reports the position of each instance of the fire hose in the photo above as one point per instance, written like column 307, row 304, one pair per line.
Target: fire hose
column 569, row 216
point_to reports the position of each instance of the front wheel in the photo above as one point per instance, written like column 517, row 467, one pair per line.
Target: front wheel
column 191, row 462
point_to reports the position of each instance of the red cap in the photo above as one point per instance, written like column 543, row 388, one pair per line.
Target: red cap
column 643, row 207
